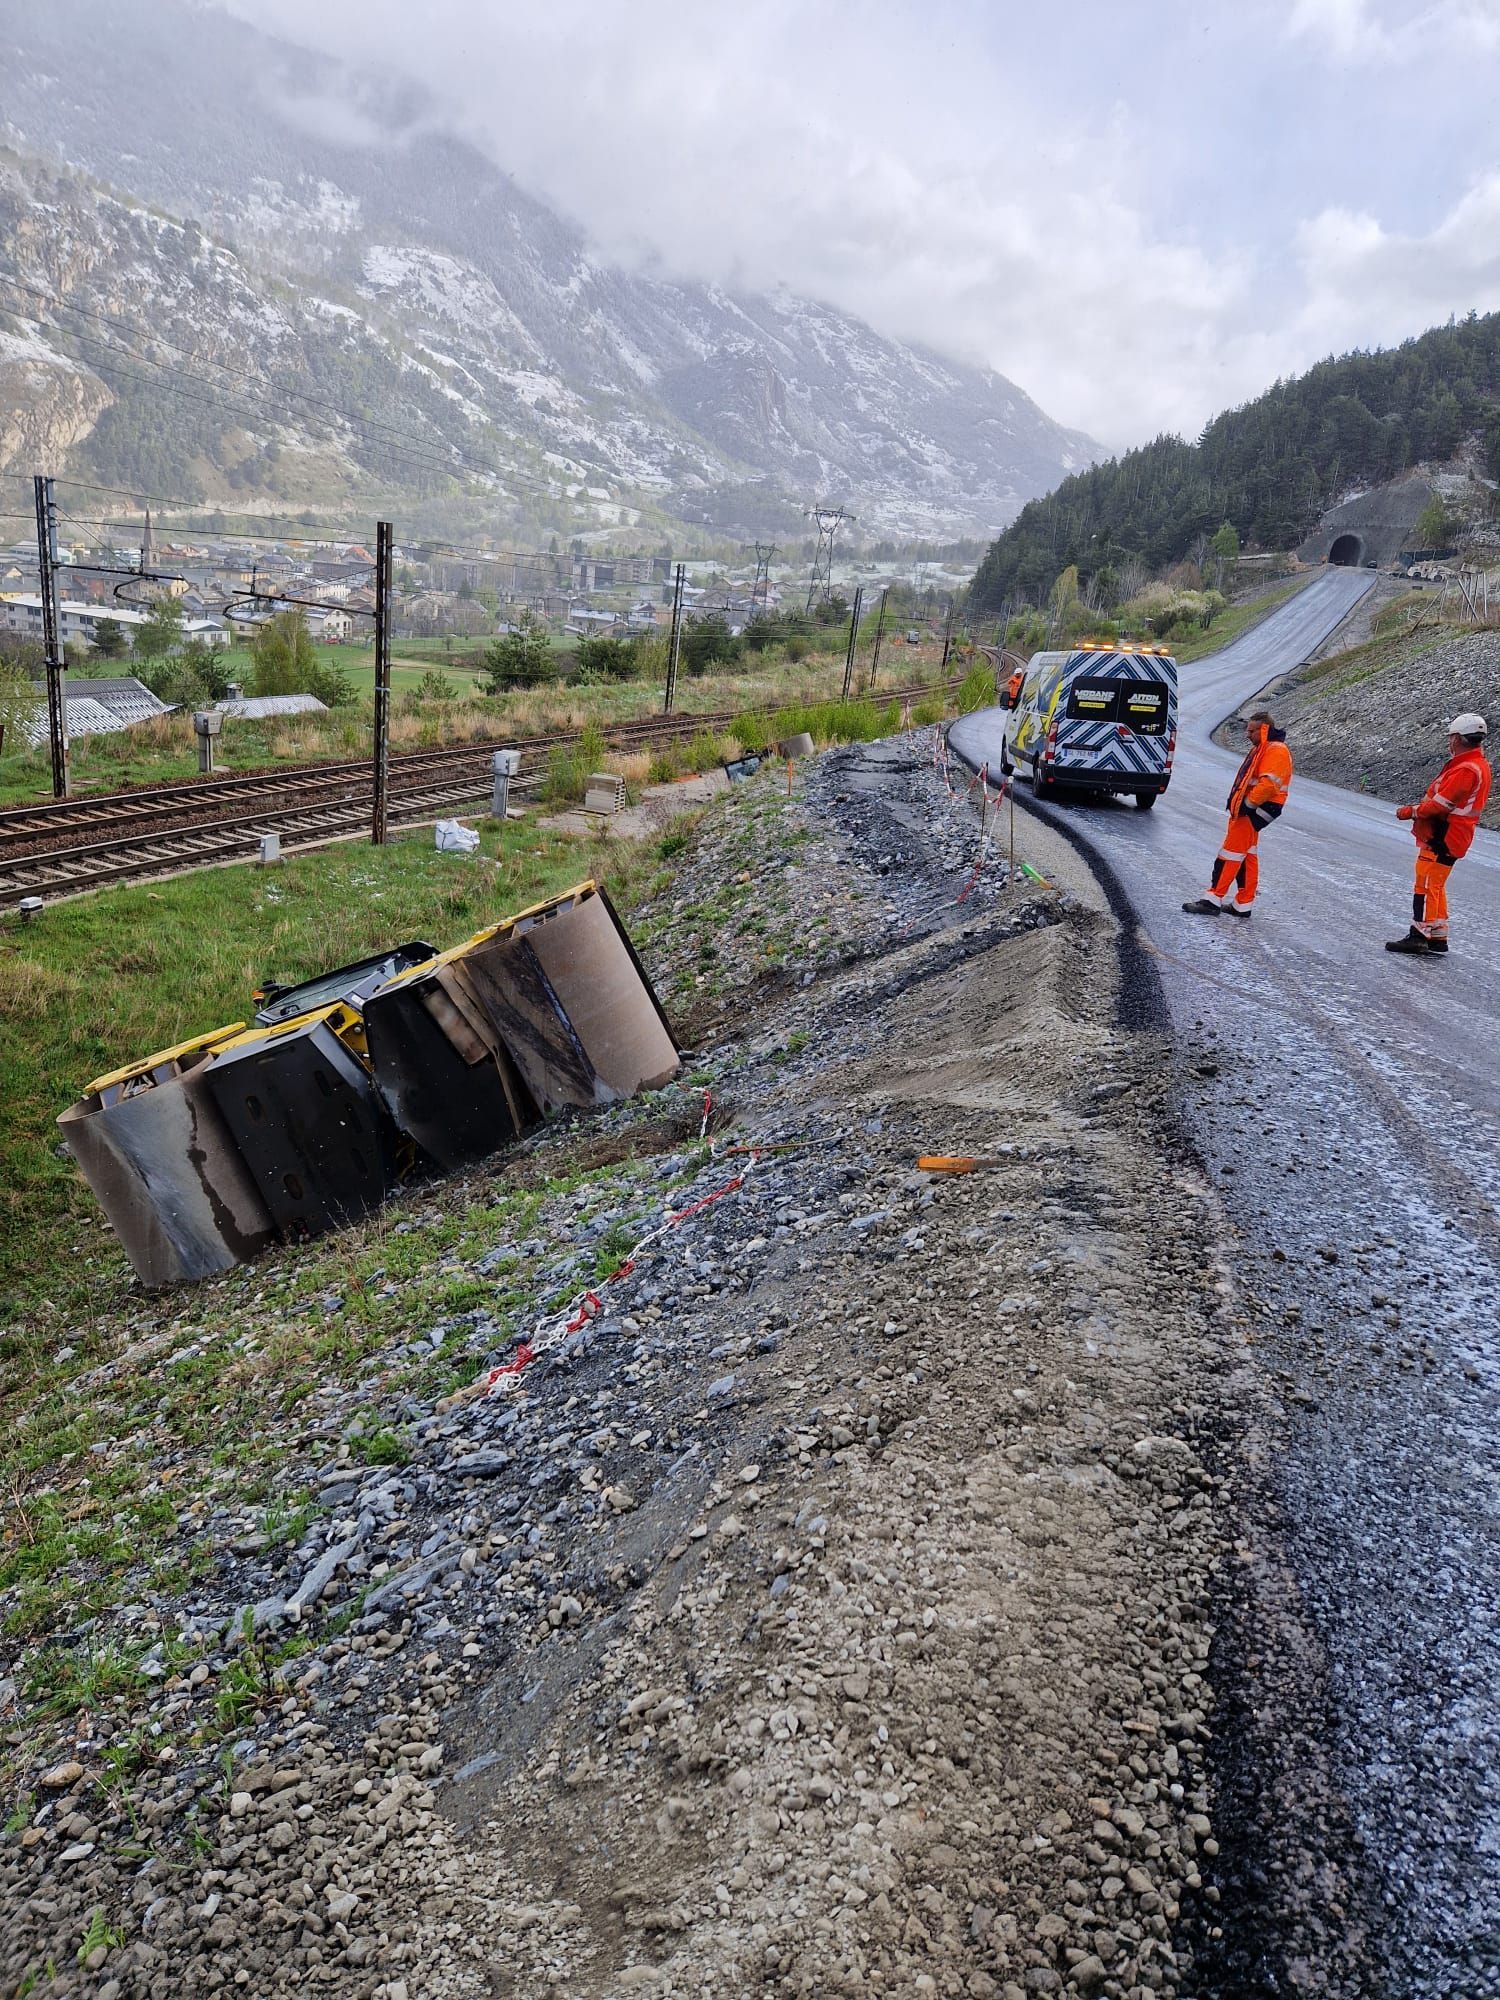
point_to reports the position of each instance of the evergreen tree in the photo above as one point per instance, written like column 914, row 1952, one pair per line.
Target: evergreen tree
column 1268, row 469
column 520, row 658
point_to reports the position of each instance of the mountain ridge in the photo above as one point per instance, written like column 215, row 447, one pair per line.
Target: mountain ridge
column 413, row 282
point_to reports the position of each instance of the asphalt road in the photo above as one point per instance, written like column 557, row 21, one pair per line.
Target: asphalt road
column 1348, row 1103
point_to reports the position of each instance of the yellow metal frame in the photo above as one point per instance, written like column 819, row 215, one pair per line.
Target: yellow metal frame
column 346, row 1021
column 174, row 1054
column 564, row 899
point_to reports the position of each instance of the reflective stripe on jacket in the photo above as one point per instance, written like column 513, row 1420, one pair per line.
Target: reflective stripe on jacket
column 1450, row 807
column 1263, row 780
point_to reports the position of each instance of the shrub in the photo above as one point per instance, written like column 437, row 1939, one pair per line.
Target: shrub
column 752, row 733
column 666, row 764
column 603, row 657
column 978, row 689
column 705, row 641
column 522, row 657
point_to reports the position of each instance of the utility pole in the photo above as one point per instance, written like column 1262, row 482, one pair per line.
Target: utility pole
column 382, row 681
column 948, row 635
column 674, row 644
column 761, row 589
column 859, row 598
column 829, row 520
column 55, row 665
column 879, row 634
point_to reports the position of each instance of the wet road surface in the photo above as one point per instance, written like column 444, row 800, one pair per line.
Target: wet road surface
column 1348, row 1103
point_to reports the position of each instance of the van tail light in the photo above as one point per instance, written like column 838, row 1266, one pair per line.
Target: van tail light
column 1050, row 744
column 1171, row 748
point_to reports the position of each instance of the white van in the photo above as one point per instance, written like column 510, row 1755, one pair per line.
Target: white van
column 1100, row 718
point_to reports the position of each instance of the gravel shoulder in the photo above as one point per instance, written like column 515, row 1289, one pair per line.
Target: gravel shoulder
column 1369, row 712
column 828, row 1608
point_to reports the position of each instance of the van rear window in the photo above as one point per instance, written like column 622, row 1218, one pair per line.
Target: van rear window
column 1093, row 701
column 1141, row 705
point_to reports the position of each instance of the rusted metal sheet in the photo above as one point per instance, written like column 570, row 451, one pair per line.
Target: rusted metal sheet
column 165, row 1169
column 568, row 997
column 305, row 1115
column 441, row 1069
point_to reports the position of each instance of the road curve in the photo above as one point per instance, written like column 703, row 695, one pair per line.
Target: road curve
column 1348, row 1103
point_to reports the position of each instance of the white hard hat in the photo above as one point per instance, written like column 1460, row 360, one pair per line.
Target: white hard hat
column 1468, row 725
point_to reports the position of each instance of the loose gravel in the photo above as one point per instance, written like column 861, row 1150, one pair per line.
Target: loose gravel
column 825, row 1608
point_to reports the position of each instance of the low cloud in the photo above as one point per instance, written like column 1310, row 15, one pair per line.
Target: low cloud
column 1087, row 211
column 1362, row 30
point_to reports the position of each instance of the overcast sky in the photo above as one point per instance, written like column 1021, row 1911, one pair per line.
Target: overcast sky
column 1142, row 211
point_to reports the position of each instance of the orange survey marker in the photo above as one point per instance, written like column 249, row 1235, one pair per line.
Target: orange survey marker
column 954, row 1163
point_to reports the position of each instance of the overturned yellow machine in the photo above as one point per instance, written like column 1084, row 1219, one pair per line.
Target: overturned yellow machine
column 346, row 1085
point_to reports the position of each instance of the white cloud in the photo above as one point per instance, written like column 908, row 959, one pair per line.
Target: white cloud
column 1360, row 30
column 1091, row 223
column 1363, row 282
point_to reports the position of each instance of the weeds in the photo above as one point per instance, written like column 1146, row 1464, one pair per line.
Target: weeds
column 97, row 1935
column 381, row 1445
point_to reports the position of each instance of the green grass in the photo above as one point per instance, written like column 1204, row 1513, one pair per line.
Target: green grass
column 103, row 979
column 162, row 751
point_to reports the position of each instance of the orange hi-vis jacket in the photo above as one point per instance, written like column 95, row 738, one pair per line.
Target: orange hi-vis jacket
column 1263, row 780
column 1448, row 811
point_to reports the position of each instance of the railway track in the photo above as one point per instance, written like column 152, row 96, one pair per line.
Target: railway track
column 55, row 819
column 63, row 846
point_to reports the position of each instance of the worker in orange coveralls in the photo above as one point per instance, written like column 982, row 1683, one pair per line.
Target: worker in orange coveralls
column 1443, row 821
column 1256, row 798
column 1013, row 687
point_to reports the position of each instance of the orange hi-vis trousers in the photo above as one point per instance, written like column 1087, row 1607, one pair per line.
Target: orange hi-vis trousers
column 1429, row 900
column 1237, row 863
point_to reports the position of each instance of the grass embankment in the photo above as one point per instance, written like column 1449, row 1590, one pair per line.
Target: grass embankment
column 107, row 978
column 158, row 752
column 1401, row 632
column 132, row 1423
column 1238, row 619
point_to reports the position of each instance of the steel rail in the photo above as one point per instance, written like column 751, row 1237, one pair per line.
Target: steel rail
column 158, row 842
column 41, row 819
column 189, row 794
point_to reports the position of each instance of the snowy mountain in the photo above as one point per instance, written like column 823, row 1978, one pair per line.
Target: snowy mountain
column 200, row 285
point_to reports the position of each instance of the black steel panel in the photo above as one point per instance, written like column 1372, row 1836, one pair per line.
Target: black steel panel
column 312, row 1130
column 457, row 1110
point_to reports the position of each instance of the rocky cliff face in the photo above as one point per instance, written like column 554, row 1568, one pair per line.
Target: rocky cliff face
column 466, row 332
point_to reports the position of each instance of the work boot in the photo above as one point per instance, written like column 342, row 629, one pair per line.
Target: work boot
column 1413, row 942
column 1237, row 909
column 1436, row 947
column 1204, row 906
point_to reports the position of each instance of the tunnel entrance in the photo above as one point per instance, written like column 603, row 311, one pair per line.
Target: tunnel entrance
column 1347, row 551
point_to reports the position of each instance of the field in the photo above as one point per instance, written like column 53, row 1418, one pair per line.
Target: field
column 108, row 977
column 158, row 752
